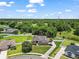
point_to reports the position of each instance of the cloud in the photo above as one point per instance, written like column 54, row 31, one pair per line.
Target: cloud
column 20, row 10
column 32, row 10
column 7, row 4
column 34, row 2
column 68, row 10
column 59, row 12
column 29, row 5
column 11, row 2
column 42, row 4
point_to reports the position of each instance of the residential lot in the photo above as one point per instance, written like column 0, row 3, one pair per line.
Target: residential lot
column 35, row 49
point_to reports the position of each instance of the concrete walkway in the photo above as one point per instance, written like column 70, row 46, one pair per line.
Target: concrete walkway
column 3, row 55
column 59, row 54
column 46, row 55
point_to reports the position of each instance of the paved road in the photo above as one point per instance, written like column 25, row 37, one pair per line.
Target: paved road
column 26, row 57
column 46, row 55
column 26, row 53
column 3, row 55
column 18, row 35
column 59, row 54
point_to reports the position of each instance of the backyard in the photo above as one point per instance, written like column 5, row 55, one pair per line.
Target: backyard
column 18, row 38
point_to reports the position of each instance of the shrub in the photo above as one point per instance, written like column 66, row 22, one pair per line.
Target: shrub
column 26, row 47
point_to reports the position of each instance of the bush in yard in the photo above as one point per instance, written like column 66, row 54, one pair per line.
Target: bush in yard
column 26, row 47
column 13, row 48
column 72, row 43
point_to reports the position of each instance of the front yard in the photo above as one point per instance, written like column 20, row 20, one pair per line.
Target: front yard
column 35, row 49
column 18, row 50
column 40, row 49
column 63, row 57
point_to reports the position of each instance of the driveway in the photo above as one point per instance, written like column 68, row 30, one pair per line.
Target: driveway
column 46, row 55
column 59, row 54
column 26, row 57
column 3, row 55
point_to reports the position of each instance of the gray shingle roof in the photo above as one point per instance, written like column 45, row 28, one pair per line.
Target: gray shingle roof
column 5, row 43
column 40, row 39
column 74, row 49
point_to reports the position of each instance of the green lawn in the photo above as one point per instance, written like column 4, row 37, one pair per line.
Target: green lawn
column 68, row 42
column 40, row 49
column 55, row 52
column 18, row 38
column 36, row 49
column 18, row 50
column 63, row 57
column 69, row 35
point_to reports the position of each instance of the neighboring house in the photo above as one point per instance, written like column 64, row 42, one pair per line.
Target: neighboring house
column 40, row 40
column 6, row 44
column 72, row 51
column 9, row 30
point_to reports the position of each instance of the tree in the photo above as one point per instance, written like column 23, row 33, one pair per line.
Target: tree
column 45, row 31
column 12, row 24
column 25, row 28
column 63, row 27
column 15, row 32
column 1, row 29
column 26, row 47
column 76, row 32
column 51, row 32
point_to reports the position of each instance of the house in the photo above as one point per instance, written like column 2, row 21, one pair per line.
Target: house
column 7, row 44
column 9, row 30
column 40, row 40
column 72, row 51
